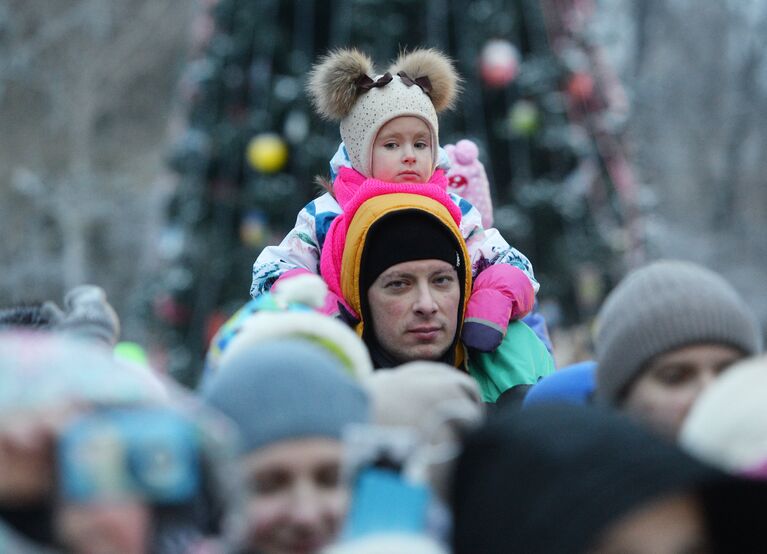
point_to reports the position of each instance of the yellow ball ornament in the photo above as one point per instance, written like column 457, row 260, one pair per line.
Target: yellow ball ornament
column 267, row 153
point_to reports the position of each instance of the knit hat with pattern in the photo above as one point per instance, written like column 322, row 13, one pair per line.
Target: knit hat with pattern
column 661, row 307
column 345, row 87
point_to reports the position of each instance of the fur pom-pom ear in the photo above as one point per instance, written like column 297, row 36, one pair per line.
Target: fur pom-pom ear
column 332, row 84
column 431, row 63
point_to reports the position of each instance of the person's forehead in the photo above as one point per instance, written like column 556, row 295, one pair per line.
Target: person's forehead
column 293, row 455
column 698, row 353
column 417, row 267
column 402, row 124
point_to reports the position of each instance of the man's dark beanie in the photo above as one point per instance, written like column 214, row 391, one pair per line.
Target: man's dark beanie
column 554, row 480
column 405, row 236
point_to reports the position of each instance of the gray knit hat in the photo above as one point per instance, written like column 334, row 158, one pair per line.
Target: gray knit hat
column 285, row 389
column 661, row 307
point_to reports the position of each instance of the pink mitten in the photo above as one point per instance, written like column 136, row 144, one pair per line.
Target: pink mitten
column 467, row 178
column 501, row 293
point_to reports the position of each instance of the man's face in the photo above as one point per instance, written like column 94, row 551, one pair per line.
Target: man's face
column 414, row 309
column 402, row 151
column 667, row 388
column 296, row 499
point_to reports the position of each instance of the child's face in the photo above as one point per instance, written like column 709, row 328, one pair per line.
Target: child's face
column 402, row 151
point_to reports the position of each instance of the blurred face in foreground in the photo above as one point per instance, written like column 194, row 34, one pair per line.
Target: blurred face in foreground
column 101, row 528
column 27, row 455
column 414, row 308
column 669, row 385
column 296, row 501
column 672, row 525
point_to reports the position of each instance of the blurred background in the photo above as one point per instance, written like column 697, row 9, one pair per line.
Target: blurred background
column 154, row 147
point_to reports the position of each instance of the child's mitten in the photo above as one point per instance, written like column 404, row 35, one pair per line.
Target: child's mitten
column 501, row 293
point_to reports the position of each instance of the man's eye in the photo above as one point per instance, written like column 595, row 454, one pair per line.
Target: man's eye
column 269, row 484
column 328, row 477
column 443, row 279
column 395, row 284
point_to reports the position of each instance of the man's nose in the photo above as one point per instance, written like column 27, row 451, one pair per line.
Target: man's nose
column 425, row 302
column 307, row 505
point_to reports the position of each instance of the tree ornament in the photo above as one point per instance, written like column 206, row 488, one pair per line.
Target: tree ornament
column 169, row 310
column 253, row 228
column 267, row 153
column 296, row 127
column 499, row 63
column 524, row 118
column 580, row 87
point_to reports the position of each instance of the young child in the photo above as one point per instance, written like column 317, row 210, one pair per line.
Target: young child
column 390, row 133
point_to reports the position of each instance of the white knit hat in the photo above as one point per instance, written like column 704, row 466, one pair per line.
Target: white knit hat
column 344, row 87
column 727, row 425
column 287, row 313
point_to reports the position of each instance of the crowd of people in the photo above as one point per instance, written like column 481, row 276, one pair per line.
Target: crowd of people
column 390, row 387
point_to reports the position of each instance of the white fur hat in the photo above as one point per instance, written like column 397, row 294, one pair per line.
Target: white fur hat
column 344, row 87
column 727, row 425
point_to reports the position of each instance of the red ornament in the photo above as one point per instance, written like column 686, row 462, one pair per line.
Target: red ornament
column 499, row 63
column 170, row 311
column 580, row 87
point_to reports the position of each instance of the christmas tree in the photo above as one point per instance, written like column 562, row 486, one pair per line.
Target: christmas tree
column 537, row 100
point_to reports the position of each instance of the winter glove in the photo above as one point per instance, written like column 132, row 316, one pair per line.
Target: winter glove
column 87, row 314
column 501, row 293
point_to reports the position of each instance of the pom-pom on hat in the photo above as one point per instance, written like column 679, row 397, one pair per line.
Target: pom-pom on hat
column 345, row 87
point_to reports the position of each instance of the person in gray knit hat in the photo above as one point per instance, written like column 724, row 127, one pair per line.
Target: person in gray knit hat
column 663, row 334
column 290, row 400
column 87, row 314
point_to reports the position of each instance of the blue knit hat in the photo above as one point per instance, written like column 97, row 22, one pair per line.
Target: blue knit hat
column 573, row 384
column 285, row 389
